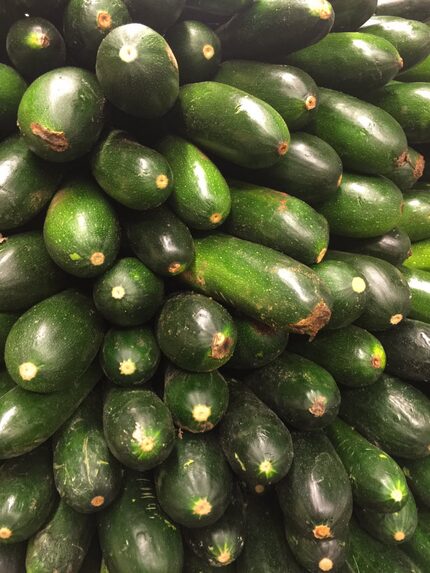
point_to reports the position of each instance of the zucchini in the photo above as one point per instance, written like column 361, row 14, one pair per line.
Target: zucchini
column 7, row 320
column 418, row 73
column 410, row 172
column 195, row 332
column 193, row 564
column 352, row 355
column 377, row 481
column 255, row 442
column 12, row 557
column 260, row 282
column 413, row 9
column 418, row 548
column 417, row 473
column 155, row 14
column 196, row 400
column 316, row 496
column 392, row 414
column 351, row 14
column 6, row 383
column 194, row 485
column 54, row 342
column 13, row 87
column 420, row 257
column 415, row 218
column 87, row 476
column 303, row 394
column 138, row 428
column 222, row 8
column 419, row 284
column 62, row 543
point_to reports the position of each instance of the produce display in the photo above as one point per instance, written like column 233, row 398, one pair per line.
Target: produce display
column 214, row 286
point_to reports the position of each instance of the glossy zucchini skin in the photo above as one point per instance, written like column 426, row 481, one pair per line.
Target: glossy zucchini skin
column 216, row 7
column 193, row 564
column 419, row 284
column 418, row 73
column 413, row 9
column 392, row 414
column 420, row 257
column 303, row 394
column 418, row 548
column 13, row 88
column 351, row 14
column 415, row 219
column 155, row 14
column 417, row 473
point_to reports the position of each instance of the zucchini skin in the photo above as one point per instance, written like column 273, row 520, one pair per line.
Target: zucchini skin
column 417, row 473
column 413, row 9
column 419, row 284
column 416, row 215
column 7, row 320
column 418, row 548
column 14, row 88
column 351, row 14
column 155, row 14
column 420, row 257
column 12, row 557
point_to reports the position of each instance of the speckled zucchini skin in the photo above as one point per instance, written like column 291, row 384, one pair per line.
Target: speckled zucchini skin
column 137, row 515
column 62, row 543
column 138, row 428
column 194, row 485
column 420, row 257
column 413, row 9
column 54, row 342
column 418, row 548
column 419, row 284
column 377, row 481
column 303, row 394
column 260, row 282
column 155, row 14
column 384, row 412
column 349, row 15
column 12, row 557
column 86, row 474
column 415, row 219
column 27, row 495
column 417, row 473
column 29, row 418
column 12, row 89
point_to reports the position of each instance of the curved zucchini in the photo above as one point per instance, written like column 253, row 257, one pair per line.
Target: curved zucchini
column 418, row 548
column 420, row 257
column 410, row 172
column 418, row 73
column 417, row 473
column 415, row 218
column 413, row 9
column 155, row 14
column 419, row 284
column 13, row 88
column 349, row 15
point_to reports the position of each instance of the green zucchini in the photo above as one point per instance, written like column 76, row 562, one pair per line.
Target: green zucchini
column 223, row 8
column 28, row 272
column 194, row 485
column 160, row 240
column 27, row 495
column 138, row 427
column 132, row 174
column 377, row 481
column 196, row 400
column 317, row 555
column 352, row 355
column 87, row 476
column 260, row 282
column 417, row 473
column 7, row 320
column 408, row 350
column 388, row 296
column 418, row 548
column 420, row 257
column 348, row 291
column 418, row 73
column 410, row 172
column 277, row 220
column 413, row 9
column 86, row 23
column 257, row 344
column 133, row 55
column 415, row 219
column 268, row 27
column 28, row 419
column 255, row 441
column 13, row 87
column 350, row 62
column 54, row 342
column 291, row 91
column 6, row 383
column 153, row 543
column 193, row 564
column 201, row 196
column 303, row 394
column 316, row 496
column 349, row 15
column 155, row 14
column 12, row 557
column 81, row 230
column 195, row 332
column 62, row 113
column 62, row 543
column 367, row 139
column 129, row 293
column 392, row 414
column 419, row 284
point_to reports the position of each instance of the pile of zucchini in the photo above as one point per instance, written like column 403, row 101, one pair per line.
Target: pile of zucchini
column 214, row 286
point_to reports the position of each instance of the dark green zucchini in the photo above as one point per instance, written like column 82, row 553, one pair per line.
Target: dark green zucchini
column 316, row 496
column 392, row 414
column 349, row 15
column 196, row 400
column 303, row 394
column 420, row 257
column 257, row 344
column 153, row 543
column 408, row 350
column 222, row 8
column 417, row 473
column 86, row 474
column 410, row 172
column 27, row 495
column 86, row 23
column 155, row 14
column 201, row 196
column 12, row 557
column 28, row 419
column 129, row 293
column 6, row 383
column 13, row 87
column 277, row 220
column 62, row 543
column 350, row 62
column 418, row 548
column 62, row 114
column 133, row 55
column 138, row 427
column 161, row 240
column 54, row 342
column 255, row 441
column 419, row 284
column 195, row 332
column 7, row 320
column 348, row 291
column 194, row 485
column 413, row 9
column 27, row 272
column 367, row 139
column 193, row 564
column 377, row 481
column 132, row 174
column 415, row 219
column 351, row 354
column 388, row 296
column 260, row 282
column 418, row 73
column 268, row 27
column 363, row 207
column 292, row 92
